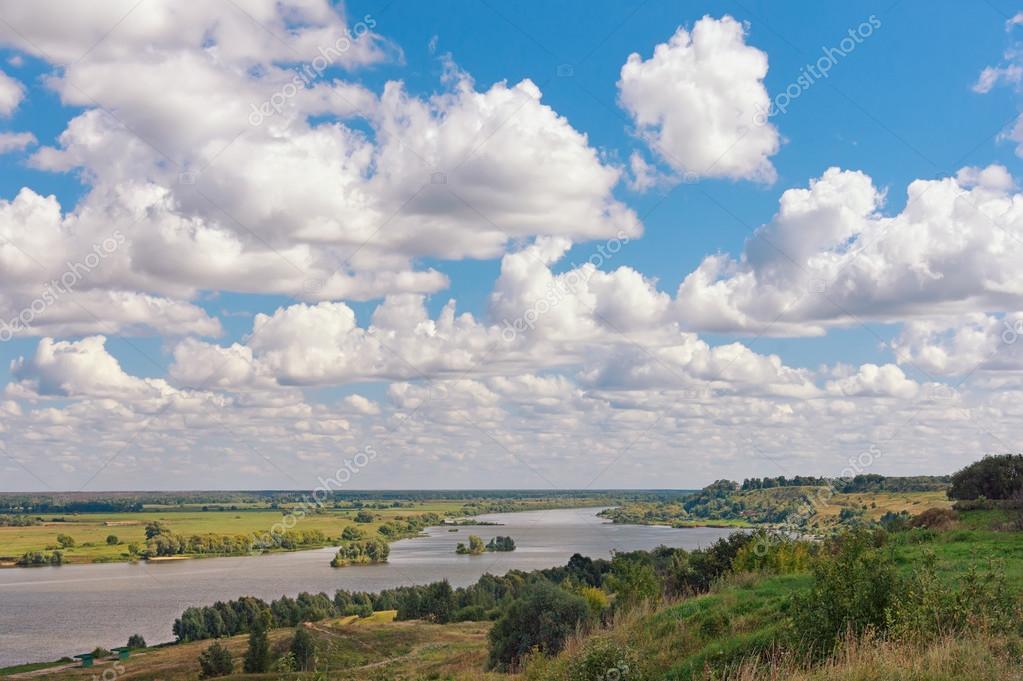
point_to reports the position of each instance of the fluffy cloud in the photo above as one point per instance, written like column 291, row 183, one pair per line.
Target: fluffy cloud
column 963, row 345
column 77, row 369
column 875, row 381
column 700, row 101
column 830, row 257
column 228, row 167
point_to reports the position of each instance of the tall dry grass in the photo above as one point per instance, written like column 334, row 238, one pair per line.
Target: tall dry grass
column 976, row 658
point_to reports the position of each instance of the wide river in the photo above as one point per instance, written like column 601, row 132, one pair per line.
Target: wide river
column 48, row 612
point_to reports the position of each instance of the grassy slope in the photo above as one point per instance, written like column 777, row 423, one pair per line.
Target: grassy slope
column 793, row 500
column 745, row 613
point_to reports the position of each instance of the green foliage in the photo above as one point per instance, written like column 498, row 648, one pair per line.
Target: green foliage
column 136, row 641
column 112, row 540
column 257, row 657
column 155, row 528
column 351, row 533
column 303, row 650
column 632, row 581
column 364, row 517
column 596, row 600
column 37, row 559
column 542, row 618
column 215, row 661
column 927, row 607
column 603, row 659
column 993, row 477
column 855, row 582
column 500, row 543
column 474, row 548
column 361, row 553
column 99, row 652
column 65, row 541
column 774, row 553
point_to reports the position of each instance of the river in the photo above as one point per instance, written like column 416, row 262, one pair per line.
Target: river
column 48, row 612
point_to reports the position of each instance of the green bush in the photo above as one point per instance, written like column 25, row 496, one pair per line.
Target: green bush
column 215, row 661
column 603, row 659
column 926, row 608
column 854, row 585
column 542, row 618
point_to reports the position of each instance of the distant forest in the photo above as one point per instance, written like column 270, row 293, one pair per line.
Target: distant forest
column 129, row 502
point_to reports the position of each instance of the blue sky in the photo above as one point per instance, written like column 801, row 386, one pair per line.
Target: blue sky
column 904, row 106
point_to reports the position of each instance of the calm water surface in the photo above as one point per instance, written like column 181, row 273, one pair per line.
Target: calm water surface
column 49, row 612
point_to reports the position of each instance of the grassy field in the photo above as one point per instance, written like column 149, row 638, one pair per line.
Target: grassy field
column 876, row 504
column 90, row 530
column 370, row 648
column 744, row 614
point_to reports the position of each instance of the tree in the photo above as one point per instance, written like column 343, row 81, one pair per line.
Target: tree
column 65, row 541
column 993, row 477
column 543, row 617
column 352, row 533
column 257, row 657
column 501, row 544
column 363, row 517
column 112, row 540
column 215, row 661
column 155, row 528
column 303, row 649
column 633, row 581
column 136, row 641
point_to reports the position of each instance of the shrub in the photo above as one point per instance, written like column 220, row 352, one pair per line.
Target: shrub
column 136, row 641
column 935, row 519
column 632, row 582
column 112, row 540
column 215, row 661
column 65, row 541
column 543, row 617
column 596, row 600
column 854, row 584
column 926, row 608
column 352, row 533
column 603, row 659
